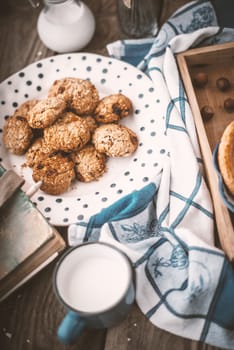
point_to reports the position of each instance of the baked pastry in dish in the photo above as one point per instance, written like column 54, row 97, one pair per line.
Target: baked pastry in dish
column 226, row 157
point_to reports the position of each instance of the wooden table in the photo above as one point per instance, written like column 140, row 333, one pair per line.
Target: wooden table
column 29, row 317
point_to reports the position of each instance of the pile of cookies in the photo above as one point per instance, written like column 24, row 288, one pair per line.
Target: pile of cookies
column 70, row 134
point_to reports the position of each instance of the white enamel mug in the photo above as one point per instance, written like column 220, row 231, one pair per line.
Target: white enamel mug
column 95, row 282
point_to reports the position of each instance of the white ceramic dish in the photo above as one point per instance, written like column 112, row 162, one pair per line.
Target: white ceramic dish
column 124, row 174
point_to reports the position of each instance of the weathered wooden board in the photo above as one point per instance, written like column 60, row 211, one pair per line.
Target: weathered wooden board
column 216, row 61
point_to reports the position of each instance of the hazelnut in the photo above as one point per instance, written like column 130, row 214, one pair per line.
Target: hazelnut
column 207, row 113
column 223, row 84
column 200, row 79
column 229, row 104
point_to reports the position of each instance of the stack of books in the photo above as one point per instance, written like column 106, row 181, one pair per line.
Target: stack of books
column 27, row 241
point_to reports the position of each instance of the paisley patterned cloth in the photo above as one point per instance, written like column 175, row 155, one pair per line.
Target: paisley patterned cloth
column 184, row 284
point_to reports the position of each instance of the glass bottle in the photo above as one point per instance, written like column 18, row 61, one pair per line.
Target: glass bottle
column 139, row 18
column 65, row 25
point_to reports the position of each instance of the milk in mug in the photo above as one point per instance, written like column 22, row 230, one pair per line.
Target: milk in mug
column 93, row 278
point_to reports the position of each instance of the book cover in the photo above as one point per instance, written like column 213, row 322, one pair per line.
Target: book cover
column 27, row 241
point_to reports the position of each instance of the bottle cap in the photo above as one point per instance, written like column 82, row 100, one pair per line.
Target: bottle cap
column 52, row 2
column 36, row 3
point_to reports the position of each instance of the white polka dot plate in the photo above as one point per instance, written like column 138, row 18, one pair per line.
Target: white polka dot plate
column 124, row 174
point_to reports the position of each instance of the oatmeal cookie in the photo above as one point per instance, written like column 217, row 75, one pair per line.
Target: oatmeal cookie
column 67, row 137
column 46, row 112
column 226, row 157
column 115, row 140
column 90, row 122
column 80, row 95
column 17, row 135
column 56, row 173
column 37, row 152
column 68, row 117
column 25, row 107
column 113, row 108
column 89, row 164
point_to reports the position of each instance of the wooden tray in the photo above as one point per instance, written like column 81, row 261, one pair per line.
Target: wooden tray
column 216, row 61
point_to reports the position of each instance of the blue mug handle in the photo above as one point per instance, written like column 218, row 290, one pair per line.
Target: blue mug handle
column 70, row 327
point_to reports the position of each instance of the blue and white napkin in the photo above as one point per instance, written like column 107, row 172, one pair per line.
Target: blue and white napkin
column 184, row 284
